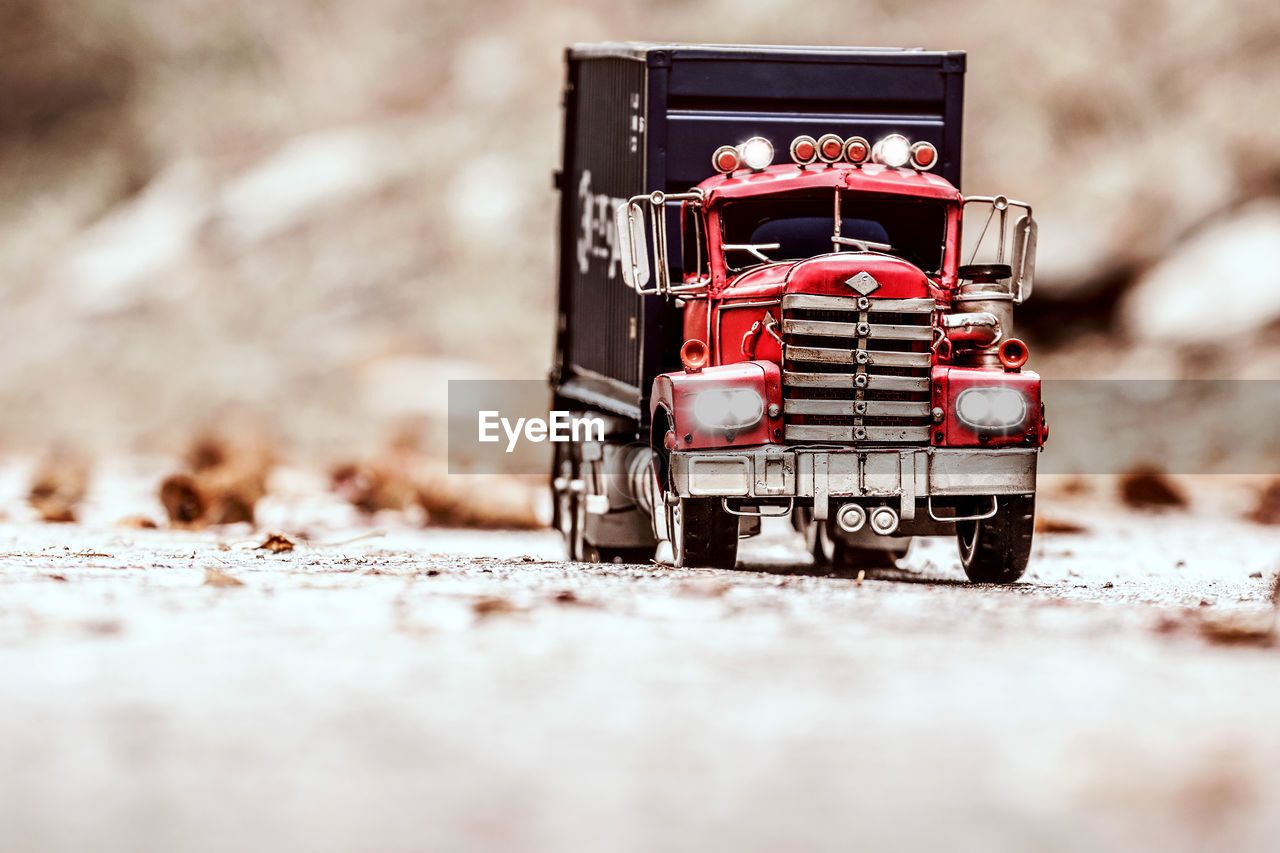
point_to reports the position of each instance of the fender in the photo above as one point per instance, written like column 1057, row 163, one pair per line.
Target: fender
column 672, row 403
column 948, row 382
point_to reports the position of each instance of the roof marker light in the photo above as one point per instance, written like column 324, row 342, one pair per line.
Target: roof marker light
column 856, row 150
column 804, row 150
column 924, row 156
column 830, row 148
column 757, row 153
column 726, row 159
column 893, row 151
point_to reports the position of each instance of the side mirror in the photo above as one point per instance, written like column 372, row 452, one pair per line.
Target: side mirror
column 633, row 250
column 1024, row 258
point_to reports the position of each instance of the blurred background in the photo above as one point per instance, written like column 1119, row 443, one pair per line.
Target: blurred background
column 313, row 213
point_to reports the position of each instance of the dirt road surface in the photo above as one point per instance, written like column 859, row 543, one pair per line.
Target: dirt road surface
column 451, row 690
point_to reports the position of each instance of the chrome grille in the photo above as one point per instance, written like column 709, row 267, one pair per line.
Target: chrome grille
column 856, row 370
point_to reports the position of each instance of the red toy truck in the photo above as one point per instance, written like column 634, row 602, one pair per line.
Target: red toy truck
column 762, row 291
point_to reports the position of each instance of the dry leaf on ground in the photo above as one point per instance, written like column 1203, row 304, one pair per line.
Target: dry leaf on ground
column 216, row 577
column 1149, row 488
column 1267, row 508
column 276, row 543
column 1049, row 524
column 492, row 606
column 58, row 485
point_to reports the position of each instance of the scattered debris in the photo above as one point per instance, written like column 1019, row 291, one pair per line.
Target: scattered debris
column 137, row 522
column 1255, row 574
column 276, row 543
column 404, row 478
column 705, row 587
column 1150, row 489
column 570, row 598
column 492, row 606
column 1267, row 508
column 372, row 534
column 1075, row 485
column 372, row 487
column 58, row 485
column 226, row 480
column 217, row 577
column 1049, row 524
column 182, row 499
column 1239, row 629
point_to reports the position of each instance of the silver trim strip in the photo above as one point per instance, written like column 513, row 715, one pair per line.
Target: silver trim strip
column 831, row 355
column 850, row 303
column 850, row 408
column 874, row 381
column 885, row 331
column 845, row 434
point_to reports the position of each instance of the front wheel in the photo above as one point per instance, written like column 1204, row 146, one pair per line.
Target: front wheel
column 996, row 549
column 702, row 534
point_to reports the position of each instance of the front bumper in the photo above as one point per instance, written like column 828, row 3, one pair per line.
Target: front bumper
column 781, row 471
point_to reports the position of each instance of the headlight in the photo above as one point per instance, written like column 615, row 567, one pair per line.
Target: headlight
column 728, row 408
column 893, row 150
column 992, row 408
column 757, row 153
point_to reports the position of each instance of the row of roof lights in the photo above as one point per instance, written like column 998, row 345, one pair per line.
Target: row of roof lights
column 894, row 151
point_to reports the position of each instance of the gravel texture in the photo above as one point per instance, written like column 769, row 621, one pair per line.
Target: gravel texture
column 425, row 689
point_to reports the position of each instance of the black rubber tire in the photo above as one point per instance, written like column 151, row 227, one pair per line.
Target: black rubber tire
column 569, row 513
column 703, row 535
column 996, row 549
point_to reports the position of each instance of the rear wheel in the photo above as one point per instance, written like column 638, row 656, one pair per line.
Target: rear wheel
column 570, row 506
column 996, row 549
column 702, row 534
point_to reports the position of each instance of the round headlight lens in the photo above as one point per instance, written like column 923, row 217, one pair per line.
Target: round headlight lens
column 992, row 408
column 728, row 408
column 893, row 151
column 757, row 153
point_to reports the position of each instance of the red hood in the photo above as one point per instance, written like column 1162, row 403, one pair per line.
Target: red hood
column 828, row 274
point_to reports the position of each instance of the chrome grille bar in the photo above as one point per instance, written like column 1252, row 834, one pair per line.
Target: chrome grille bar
column 869, row 381
column 829, row 355
column 868, row 408
column 852, row 434
column 851, row 303
column 884, row 331
column 856, row 370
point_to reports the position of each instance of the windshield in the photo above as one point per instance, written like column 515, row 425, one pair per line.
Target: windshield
column 801, row 225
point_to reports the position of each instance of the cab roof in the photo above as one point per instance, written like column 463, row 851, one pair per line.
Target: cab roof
column 870, row 178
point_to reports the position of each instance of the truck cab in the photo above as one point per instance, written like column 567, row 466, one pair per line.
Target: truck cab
column 794, row 312
column 840, row 365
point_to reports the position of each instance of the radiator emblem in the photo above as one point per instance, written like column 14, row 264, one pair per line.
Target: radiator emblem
column 863, row 283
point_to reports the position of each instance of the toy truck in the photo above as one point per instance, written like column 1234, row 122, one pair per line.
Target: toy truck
column 762, row 292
